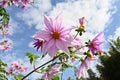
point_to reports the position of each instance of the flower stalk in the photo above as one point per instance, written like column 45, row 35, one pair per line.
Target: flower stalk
column 42, row 66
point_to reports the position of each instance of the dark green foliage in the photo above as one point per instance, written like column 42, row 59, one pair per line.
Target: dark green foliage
column 3, row 77
column 92, row 75
column 110, row 68
column 70, row 78
column 3, row 72
column 56, row 77
column 5, row 16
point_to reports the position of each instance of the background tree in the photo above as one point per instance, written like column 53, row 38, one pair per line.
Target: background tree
column 110, row 63
column 92, row 75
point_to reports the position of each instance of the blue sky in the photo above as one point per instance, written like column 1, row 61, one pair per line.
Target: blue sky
column 102, row 16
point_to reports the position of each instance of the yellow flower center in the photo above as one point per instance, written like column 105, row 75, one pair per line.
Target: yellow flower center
column 56, row 35
column 93, row 44
column 82, row 27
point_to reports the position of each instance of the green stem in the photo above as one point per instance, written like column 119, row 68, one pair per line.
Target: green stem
column 41, row 66
column 76, row 35
column 78, row 49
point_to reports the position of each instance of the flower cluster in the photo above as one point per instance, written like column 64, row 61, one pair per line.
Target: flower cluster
column 57, row 36
column 95, row 44
column 5, row 30
column 16, row 68
column 22, row 3
column 52, row 72
column 5, row 45
column 94, row 48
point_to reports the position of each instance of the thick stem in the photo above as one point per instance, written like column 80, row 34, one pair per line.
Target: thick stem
column 41, row 66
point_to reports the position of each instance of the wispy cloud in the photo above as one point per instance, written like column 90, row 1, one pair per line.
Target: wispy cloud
column 116, row 34
column 33, row 15
column 96, row 11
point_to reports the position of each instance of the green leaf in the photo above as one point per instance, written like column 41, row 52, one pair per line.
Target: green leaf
column 70, row 78
column 65, row 65
column 70, row 49
column 2, row 70
column 18, row 77
column 32, row 57
column 3, row 77
column 56, row 77
column 2, row 63
column 75, row 56
column 4, row 16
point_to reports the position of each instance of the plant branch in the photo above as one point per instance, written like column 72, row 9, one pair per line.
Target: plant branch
column 78, row 49
column 76, row 35
column 41, row 66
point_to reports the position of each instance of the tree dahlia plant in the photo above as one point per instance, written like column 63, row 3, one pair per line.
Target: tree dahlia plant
column 57, row 40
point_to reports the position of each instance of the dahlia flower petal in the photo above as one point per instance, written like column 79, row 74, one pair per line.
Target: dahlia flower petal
column 43, row 49
column 99, row 36
column 98, row 42
column 45, row 77
column 88, row 61
column 62, row 46
column 65, row 31
column 53, row 51
column 58, row 22
column 48, row 22
column 42, row 34
column 94, row 46
column 47, row 46
column 99, row 49
column 82, row 72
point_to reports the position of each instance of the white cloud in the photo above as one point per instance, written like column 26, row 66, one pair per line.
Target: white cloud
column 116, row 34
column 96, row 11
column 33, row 15
column 13, row 26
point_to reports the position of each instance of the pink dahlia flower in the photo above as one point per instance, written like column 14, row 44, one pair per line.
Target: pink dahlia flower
column 5, row 45
column 56, row 36
column 17, row 68
column 95, row 44
column 82, row 72
column 82, row 21
column 52, row 72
